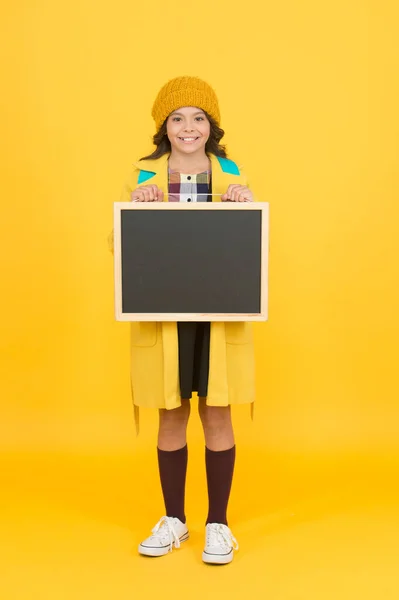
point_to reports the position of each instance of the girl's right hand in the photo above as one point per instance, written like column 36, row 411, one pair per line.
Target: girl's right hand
column 147, row 193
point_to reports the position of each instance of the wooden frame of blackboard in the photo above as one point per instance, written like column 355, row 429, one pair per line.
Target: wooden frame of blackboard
column 263, row 207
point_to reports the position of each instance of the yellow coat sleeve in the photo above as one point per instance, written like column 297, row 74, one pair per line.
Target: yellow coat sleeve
column 129, row 186
column 246, row 181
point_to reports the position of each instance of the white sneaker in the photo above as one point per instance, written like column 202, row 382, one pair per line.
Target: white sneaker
column 168, row 532
column 219, row 544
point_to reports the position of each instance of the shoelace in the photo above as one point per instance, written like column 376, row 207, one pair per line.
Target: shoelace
column 165, row 530
column 221, row 535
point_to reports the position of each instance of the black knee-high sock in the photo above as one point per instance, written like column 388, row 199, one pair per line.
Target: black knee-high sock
column 172, row 471
column 219, row 472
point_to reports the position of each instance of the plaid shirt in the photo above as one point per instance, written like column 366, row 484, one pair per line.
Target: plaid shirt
column 192, row 188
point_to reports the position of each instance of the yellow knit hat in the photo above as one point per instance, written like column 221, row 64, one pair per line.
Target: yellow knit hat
column 184, row 91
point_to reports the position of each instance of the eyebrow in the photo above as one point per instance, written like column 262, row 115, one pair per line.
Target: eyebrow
column 200, row 112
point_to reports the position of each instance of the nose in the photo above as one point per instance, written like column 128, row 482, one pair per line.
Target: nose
column 189, row 127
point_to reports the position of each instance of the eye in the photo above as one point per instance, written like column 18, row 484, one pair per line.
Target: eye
column 176, row 119
column 200, row 118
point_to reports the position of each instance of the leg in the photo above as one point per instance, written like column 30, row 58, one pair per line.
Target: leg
column 173, row 457
column 220, row 458
column 173, row 427
column 217, row 424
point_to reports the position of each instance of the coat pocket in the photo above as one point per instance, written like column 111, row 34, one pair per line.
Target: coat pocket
column 144, row 334
column 238, row 332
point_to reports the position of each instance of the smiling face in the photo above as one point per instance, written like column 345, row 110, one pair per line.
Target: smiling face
column 188, row 130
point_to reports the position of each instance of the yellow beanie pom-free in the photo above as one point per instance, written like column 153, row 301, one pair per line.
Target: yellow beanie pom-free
column 185, row 91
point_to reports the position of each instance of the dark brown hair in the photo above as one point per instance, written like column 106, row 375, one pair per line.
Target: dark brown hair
column 212, row 146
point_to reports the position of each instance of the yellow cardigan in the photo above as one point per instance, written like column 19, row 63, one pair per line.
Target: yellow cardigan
column 154, row 345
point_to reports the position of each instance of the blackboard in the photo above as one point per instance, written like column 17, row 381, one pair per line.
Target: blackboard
column 203, row 261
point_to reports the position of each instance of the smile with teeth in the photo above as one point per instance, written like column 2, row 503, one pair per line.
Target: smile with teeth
column 188, row 140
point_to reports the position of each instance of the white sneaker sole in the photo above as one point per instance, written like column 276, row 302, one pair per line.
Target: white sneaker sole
column 217, row 559
column 151, row 551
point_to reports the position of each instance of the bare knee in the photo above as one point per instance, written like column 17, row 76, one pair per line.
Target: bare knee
column 213, row 415
column 173, row 427
column 217, row 425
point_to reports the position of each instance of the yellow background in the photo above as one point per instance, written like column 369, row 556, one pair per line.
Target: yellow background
column 309, row 94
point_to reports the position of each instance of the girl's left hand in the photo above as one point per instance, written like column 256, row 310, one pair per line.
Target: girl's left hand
column 238, row 193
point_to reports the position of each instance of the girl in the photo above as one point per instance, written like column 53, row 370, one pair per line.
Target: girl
column 172, row 360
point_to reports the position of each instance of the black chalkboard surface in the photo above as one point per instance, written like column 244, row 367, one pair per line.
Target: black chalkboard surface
column 204, row 261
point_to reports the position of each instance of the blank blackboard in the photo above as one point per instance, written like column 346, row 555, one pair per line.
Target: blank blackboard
column 204, row 261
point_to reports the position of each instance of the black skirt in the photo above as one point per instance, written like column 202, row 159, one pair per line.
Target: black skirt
column 194, row 341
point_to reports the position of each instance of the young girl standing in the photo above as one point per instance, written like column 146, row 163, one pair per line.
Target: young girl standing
column 170, row 361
